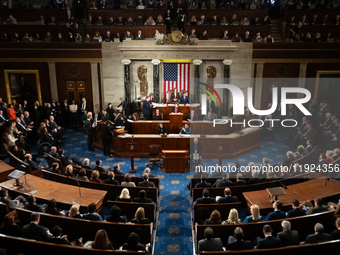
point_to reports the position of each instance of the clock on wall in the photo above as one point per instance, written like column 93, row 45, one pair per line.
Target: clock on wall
column 176, row 37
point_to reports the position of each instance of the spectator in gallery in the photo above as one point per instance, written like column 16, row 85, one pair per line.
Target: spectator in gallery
column 226, row 35
column 245, row 21
column 204, row 35
column 258, row 38
column 215, row 217
column 139, row 35
column 268, row 39
column 93, row 6
column 97, row 37
column 210, row 243
column 128, row 35
column 255, row 215
column 236, row 38
column 151, row 5
column 150, row 22
column 193, row 33
column 141, row 6
column 159, row 20
column 158, row 35
column 11, row 20
column 224, row 21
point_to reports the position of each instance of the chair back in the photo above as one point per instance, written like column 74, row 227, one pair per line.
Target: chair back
column 135, row 116
column 154, row 149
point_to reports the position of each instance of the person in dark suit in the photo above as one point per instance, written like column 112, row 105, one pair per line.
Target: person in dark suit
column 34, row 165
column 228, row 198
column 91, row 213
column 288, row 236
column 174, row 97
column 210, row 243
column 106, row 138
column 176, row 108
column 62, row 158
column 203, row 183
column 319, row 236
column 55, row 168
column 161, row 130
column 184, row 99
column 34, row 231
column 318, row 207
column 192, row 116
column 142, row 197
column 255, row 177
column 31, row 205
column 84, row 106
column 336, row 233
column 89, row 131
column 239, row 180
column 98, row 166
column 111, row 179
column 185, row 130
column 269, row 242
column 277, row 214
column 57, row 236
column 205, row 199
column 236, row 243
column 210, row 104
column 147, row 108
column 133, row 243
column 195, row 152
column 224, row 182
column 289, row 159
column 297, row 211
column 115, row 215
column 146, row 182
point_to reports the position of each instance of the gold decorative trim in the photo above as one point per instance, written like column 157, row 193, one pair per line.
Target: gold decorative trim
column 8, row 88
column 318, row 74
column 55, row 60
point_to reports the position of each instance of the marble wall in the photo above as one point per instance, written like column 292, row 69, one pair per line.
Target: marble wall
column 142, row 52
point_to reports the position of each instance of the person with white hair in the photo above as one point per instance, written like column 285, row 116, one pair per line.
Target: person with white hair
column 288, row 236
column 124, row 196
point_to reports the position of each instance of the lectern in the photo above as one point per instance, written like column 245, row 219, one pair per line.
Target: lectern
column 175, row 161
column 176, row 117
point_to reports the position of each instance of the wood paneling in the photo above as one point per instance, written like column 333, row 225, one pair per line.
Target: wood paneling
column 64, row 77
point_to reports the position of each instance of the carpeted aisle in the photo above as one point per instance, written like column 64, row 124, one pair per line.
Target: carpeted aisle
column 174, row 233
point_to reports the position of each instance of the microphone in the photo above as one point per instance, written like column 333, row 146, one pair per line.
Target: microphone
column 80, row 195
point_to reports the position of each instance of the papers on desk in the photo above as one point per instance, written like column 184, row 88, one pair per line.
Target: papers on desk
column 194, row 105
column 159, row 105
column 130, row 120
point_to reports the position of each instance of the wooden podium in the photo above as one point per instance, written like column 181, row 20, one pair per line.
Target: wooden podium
column 175, row 161
column 176, row 117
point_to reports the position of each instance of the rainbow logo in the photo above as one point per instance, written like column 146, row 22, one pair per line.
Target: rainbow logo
column 206, row 91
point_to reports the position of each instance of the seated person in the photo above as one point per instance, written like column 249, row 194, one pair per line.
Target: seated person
column 9, row 227
column 223, row 182
column 319, row 236
column 195, row 152
column 55, row 168
column 146, row 182
column 205, row 199
column 111, row 179
column 114, row 215
column 204, row 35
column 91, row 213
column 192, row 116
column 228, row 198
column 57, row 236
column 150, row 22
column 116, row 170
column 184, row 99
column 176, row 108
column 74, row 212
column 236, row 243
column 174, row 97
column 86, row 164
column 319, row 207
column 269, row 242
column 336, row 233
column 215, row 218
column 82, row 175
column 124, row 196
column 127, row 181
column 142, row 197
column 128, row 35
column 34, row 231
column 233, row 217
column 288, row 236
column 297, row 211
column 157, row 115
column 255, row 177
column 210, row 243
column 140, row 217
column 203, row 183
column 161, row 130
column 31, row 205
column 12, row 204
column 34, row 165
column 209, row 116
column 147, row 171
column 255, row 215
column 277, row 214
column 101, row 241
column 98, row 166
column 239, row 179
column 133, row 243
column 95, row 177
column 139, row 35
column 52, row 208
column 193, row 34
column 185, row 130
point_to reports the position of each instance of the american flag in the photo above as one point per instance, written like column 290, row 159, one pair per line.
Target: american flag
column 176, row 75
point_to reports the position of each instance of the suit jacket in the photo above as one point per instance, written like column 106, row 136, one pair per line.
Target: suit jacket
column 276, row 215
column 53, row 124
column 183, row 100
column 214, row 244
column 254, row 180
column 147, row 108
column 335, row 234
column 91, row 216
column 88, row 127
column 203, row 185
column 205, row 200
column 239, row 183
column 313, row 210
column 317, row 238
column 228, row 199
column 173, row 96
column 268, row 243
column 33, row 207
column 296, row 212
column 239, row 245
column 34, row 231
column 142, row 200
column 146, row 184
column 111, row 181
column 198, row 148
column 99, row 169
column 222, row 183
column 194, row 117
column 34, row 165
column 289, row 237
column 178, row 110
column 63, row 160
column 87, row 106
column 212, row 105
column 287, row 161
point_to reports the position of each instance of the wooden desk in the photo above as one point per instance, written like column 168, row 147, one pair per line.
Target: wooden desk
column 64, row 194
column 175, row 161
column 167, row 109
column 234, row 145
column 5, row 170
column 308, row 190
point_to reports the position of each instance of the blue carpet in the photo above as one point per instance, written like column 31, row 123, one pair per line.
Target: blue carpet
column 173, row 233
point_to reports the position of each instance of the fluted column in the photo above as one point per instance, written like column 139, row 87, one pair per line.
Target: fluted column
column 197, row 75
column 156, row 63
column 225, row 109
column 127, row 82
column 53, row 81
